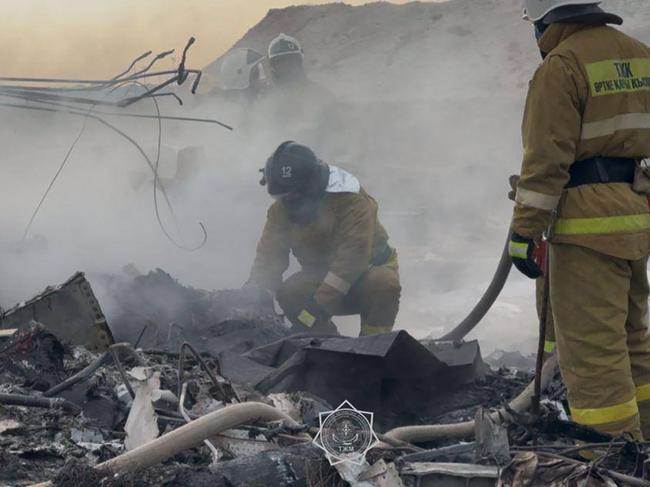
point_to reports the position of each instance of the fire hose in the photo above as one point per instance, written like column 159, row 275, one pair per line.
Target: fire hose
column 188, row 436
column 418, row 434
column 487, row 300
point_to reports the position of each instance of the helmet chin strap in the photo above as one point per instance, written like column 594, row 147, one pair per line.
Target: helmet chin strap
column 540, row 27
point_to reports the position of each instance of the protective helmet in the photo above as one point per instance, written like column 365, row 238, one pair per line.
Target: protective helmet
column 536, row 10
column 284, row 45
column 294, row 169
column 240, row 68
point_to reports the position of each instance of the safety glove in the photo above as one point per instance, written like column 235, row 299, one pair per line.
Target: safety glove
column 312, row 314
column 513, row 181
column 313, row 318
column 524, row 252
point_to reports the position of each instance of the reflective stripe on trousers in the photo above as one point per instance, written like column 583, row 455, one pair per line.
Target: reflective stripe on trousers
column 610, row 414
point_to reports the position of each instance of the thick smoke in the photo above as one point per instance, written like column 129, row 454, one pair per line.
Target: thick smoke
column 428, row 107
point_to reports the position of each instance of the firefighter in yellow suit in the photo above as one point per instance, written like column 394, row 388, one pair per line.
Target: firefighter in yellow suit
column 330, row 224
column 586, row 130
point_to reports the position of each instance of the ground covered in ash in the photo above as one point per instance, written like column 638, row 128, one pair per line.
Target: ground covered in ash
column 54, row 443
column 185, row 353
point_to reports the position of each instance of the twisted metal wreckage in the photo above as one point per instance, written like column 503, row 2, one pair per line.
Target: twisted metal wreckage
column 249, row 391
column 82, row 97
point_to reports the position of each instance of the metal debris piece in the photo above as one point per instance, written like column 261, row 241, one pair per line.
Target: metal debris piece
column 382, row 474
column 35, row 355
column 461, row 453
column 533, row 470
column 300, row 465
column 92, row 440
column 351, row 473
column 286, row 404
column 70, row 311
column 450, row 475
column 39, row 402
column 238, row 443
column 7, row 333
column 9, row 425
column 387, row 369
column 492, row 443
column 142, row 425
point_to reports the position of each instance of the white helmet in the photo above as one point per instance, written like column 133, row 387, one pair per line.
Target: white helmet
column 283, row 45
column 535, row 10
column 236, row 68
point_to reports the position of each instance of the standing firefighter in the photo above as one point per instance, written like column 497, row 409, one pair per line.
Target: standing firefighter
column 586, row 130
column 329, row 223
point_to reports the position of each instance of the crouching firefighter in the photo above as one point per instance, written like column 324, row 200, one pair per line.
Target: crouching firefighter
column 330, row 224
column 586, row 131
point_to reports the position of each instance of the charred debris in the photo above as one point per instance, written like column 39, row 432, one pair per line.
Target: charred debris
column 182, row 386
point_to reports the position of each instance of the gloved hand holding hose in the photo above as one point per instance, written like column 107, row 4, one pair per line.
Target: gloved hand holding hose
column 527, row 255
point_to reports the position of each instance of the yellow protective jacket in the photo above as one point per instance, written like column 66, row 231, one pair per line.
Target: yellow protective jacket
column 339, row 244
column 590, row 97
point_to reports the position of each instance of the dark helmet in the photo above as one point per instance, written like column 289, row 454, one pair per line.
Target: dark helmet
column 294, row 169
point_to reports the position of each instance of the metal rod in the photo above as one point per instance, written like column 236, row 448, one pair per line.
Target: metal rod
column 537, row 395
column 181, row 365
column 120, row 369
column 39, row 402
column 73, row 110
column 91, row 368
column 133, row 63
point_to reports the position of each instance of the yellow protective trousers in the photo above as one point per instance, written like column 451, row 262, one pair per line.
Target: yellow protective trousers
column 375, row 296
column 600, row 309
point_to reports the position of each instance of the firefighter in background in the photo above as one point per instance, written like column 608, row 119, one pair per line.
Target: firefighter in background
column 330, row 224
column 586, row 128
column 297, row 104
column 287, row 62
